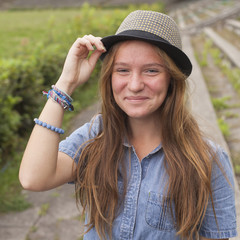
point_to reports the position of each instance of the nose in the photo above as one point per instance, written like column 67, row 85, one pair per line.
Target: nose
column 135, row 83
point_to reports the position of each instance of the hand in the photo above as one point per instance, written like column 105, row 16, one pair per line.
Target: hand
column 78, row 67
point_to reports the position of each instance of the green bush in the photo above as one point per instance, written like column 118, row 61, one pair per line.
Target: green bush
column 22, row 80
column 18, row 101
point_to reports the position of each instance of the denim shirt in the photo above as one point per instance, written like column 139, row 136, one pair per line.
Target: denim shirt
column 141, row 215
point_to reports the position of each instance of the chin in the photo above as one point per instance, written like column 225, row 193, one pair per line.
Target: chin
column 142, row 114
column 138, row 115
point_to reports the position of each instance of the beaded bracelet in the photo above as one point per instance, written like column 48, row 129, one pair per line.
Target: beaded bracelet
column 48, row 126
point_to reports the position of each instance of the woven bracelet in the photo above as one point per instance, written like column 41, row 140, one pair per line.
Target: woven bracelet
column 53, row 95
column 63, row 99
column 59, row 98
column 62, row 93
column 48, row 126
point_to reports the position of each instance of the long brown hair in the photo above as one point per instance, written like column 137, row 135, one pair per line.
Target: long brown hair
column 187, row 158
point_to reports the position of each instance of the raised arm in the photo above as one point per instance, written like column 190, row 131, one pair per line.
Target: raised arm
column 42, row 166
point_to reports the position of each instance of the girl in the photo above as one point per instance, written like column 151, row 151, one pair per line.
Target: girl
column 142, row 168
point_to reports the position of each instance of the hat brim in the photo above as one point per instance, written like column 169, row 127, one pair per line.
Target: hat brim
column 177, row 55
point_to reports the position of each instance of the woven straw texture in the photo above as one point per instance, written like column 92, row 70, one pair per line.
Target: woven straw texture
column 155, row 23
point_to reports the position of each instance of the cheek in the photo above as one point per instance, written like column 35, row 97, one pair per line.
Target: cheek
column 159, row 87
column 117, row 85
column 164, row 84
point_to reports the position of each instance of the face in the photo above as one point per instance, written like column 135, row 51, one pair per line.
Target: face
column 139, row 79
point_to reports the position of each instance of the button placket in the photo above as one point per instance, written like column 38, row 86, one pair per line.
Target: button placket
column 131, row 199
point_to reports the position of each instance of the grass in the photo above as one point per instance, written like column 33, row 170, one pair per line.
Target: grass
column 55, row 194
column 204, row 49
column 220, row 103
column 21, row 29
column 26, row 28
column 11, row 198
column 232, row 73
column 31, row 230
column 224, row 127
column 236, row 163
column 230, row 114
column 44, row 209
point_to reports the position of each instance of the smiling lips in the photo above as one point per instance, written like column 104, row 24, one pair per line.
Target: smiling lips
column 136, row 99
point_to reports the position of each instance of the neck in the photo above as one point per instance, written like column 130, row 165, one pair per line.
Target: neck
column 143, row 127
column 145, row 135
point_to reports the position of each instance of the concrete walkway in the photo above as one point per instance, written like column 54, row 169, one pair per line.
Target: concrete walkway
column 53, row 215
column 226, row 47
column 204, row 112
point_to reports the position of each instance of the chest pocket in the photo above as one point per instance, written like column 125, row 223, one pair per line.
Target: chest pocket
column 157, row 214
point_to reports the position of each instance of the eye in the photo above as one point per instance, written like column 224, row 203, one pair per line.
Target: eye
column 152, row 71
column 122, row 71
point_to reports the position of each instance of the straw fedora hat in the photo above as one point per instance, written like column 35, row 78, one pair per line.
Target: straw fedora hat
column 156, row 28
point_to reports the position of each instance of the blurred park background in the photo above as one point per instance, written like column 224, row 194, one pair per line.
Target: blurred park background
column 35, row 36
column 34, row 39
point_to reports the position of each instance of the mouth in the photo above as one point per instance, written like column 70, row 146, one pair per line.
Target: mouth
column 136, row 99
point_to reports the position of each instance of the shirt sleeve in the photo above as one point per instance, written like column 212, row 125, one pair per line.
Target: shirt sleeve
column 74, row 144
column 224, row 202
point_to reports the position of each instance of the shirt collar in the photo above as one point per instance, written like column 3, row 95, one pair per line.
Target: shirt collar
column 127, row 144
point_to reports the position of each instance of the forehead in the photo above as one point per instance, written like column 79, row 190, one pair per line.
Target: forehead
column 137, row 50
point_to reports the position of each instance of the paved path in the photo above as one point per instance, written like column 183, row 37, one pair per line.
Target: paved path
column 205, row 114
column 53, row 215
column 226, row 47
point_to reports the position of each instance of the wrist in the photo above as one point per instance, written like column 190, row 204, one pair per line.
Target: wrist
column 66, row 87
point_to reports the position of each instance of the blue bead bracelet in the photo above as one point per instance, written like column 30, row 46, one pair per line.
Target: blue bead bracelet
column 48, row 126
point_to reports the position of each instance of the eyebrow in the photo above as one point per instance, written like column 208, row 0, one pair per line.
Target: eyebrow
column 145, row 65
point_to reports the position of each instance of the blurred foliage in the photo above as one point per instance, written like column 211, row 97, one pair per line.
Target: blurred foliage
column 224, row 127
column 221, row 61
column 33, row 48
column 220, row 103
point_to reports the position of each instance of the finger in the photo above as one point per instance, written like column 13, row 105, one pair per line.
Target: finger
column 96, row 41
column 94, row 58
column 85, row 42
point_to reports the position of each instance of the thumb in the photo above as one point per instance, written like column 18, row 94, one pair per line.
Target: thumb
column 94, row 58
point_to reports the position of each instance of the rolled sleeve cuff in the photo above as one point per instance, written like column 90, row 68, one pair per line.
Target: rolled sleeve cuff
column 218, row 234
column 68, row 152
